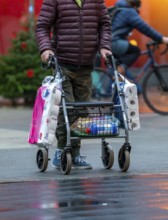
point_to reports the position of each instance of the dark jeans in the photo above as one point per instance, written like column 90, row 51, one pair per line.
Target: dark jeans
column 77, row 87
column 129, row 57
column 126, row 60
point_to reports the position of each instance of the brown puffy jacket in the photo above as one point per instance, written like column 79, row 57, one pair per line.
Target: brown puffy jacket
column 78, row 33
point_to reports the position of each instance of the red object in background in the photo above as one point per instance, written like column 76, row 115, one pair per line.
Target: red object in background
column 13, row 13
column 23, row 45
column 30, row 73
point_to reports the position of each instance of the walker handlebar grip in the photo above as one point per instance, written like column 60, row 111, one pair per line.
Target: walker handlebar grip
column 108, row 60
column 52, row 62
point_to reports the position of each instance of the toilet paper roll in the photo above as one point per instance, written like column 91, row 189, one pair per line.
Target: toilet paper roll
column 51, row 138
column 134, row 124
column 132, row 102
column 43, row 134
column 130, row 90
column 55, row 111
column 129, row 87
column 57, row 96
column 132, row 113
column 44, row 123
column 52, row 124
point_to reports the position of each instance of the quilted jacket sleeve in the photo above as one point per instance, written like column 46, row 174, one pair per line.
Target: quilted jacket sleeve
column 46, row 20
column 104, row 27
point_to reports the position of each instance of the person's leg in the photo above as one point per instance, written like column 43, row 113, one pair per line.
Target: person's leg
column 82, row 89
column 119, row 49
column 130, row 56
column 61, row 126
column 73, row 79
column 77, row 88
column 128, row 60
column 125, row 61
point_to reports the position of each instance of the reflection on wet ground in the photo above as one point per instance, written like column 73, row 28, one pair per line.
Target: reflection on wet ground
column 117, row 197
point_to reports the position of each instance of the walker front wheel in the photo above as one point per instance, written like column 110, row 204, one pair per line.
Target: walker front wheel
column 66, row 163
column 42, row 159
column 108, row 157
column 124, row 159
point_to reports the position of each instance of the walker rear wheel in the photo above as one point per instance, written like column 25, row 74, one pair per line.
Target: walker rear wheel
column 124, row 159
column 42, row 159
column 66, row 163
column 108, row 157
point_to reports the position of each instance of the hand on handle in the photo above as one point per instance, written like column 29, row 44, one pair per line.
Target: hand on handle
column 104, row 53
column 45, row 55
column 165, row 40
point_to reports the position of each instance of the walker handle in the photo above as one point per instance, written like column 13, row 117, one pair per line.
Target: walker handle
column 53, row 63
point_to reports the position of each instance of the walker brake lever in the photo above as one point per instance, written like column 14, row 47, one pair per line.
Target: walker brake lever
column 50, row 63
column 108, row 61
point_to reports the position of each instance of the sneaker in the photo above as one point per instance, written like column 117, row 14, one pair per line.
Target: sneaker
column 57, row 159
column 79, row 162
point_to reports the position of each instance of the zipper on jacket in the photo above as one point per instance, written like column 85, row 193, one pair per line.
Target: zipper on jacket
column 81, row 34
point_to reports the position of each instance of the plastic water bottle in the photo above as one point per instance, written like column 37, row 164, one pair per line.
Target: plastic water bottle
column 115, row 127
column 103, row 129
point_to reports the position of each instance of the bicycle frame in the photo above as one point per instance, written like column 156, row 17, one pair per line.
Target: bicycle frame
column 138, row 78
column 149, row 63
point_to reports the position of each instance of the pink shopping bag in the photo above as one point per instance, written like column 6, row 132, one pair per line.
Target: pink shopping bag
column 36, row 117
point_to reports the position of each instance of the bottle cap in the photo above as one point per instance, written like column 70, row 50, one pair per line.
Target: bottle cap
column 87, row 130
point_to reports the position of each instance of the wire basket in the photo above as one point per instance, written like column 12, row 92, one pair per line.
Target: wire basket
column 93, row 121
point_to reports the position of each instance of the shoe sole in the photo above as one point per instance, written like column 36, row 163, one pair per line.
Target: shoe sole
column 81, row 168
column 73, row 167
column 55, row 167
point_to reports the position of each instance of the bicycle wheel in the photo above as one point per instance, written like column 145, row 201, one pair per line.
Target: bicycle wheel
column 155, row 89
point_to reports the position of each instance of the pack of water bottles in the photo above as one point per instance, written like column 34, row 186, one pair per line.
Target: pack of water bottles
column 104, row 125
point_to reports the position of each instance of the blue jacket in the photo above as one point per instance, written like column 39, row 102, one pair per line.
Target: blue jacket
column 127, row 19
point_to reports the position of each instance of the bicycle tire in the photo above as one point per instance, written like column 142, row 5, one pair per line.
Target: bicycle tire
column 155, row 89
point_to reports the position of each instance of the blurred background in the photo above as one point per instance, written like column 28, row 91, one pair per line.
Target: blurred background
column 19, row 57
column 15, row 12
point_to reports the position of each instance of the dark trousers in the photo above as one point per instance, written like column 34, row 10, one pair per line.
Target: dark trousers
column 77, row 87
column 129, row 57
column 125, row 59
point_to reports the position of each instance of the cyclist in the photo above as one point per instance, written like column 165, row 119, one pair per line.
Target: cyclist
column 126, row 19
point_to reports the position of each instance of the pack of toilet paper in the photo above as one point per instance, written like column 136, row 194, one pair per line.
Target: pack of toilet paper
column 131, row 104
column 45, row 113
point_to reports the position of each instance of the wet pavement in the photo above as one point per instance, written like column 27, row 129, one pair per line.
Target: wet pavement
column 118, row 197
column 140, row 193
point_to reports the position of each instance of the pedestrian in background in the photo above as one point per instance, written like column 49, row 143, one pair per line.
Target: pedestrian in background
column 73, row 31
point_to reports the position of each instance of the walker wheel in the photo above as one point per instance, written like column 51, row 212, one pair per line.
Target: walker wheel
column 42, row 159
column 108, row 157
column 66, row 163
column 124, row 159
